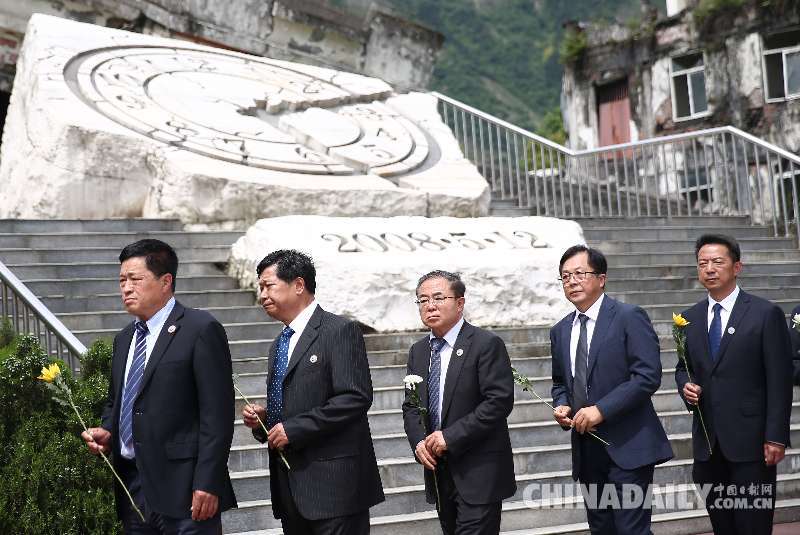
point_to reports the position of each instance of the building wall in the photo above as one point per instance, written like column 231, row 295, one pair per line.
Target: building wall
column 732, row 45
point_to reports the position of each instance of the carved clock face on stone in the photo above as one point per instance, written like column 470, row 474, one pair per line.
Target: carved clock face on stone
column 251, row 111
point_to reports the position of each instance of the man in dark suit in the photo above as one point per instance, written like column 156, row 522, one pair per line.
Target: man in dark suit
column 169, row 417
column 319, row 390
column 469, row 391
column 738, row 349
column 606, row 367
column 794, row 336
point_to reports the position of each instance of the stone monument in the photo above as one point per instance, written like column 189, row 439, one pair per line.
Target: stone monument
column 107, row 123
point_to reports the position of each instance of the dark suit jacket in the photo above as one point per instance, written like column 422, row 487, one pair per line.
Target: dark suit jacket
column 333, row 467
column 183, row 415
column 795, row 338
column 623, row 374
column 747, row 392
column 478, row 397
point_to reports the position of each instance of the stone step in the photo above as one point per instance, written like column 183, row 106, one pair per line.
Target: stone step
column 101, row 270
column 685, row 267
column 177, row 239
column 387, row 379
column 674, row 257
column 664, row 297
column 517, row 513
column 528, row 433
column 665, row 311
column 82, row 287
column 204, row 253
column 234, row 317
column 410, row 495
column 594, row 233
column 674, row 523
column 205, row 298
column 750, row 246
column 620, row 284
column 39, row 226
column 526, row 408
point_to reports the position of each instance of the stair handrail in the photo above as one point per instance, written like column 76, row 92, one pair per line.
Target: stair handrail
column 719, row 170
column 27, row 315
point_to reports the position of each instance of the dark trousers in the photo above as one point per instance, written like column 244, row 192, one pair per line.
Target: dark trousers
column 742, row 498
column 156, row 523
column 598, row 470
column 458, row 517
column 294, row 524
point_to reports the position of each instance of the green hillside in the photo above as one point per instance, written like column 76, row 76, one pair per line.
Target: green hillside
column 502, row 56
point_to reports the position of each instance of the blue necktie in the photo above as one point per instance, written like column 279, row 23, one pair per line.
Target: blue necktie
column 275, row 388
column 434, row 378
column 132, row 385
column 715, row 333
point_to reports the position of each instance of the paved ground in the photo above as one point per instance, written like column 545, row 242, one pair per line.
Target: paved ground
column 781, row 529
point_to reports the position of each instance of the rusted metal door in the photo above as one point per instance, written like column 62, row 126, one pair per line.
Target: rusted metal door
column 613, row 113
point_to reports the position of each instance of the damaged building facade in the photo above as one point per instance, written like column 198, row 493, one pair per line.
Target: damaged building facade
column 695, row 68
column 381, row 44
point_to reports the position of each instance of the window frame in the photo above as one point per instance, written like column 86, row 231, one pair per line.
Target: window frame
column 673, row 75
column 783, row 52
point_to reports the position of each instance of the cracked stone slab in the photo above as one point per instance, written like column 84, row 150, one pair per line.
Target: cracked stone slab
column 107, row 123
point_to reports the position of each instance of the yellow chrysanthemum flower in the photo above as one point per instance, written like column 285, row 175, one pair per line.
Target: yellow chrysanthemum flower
column 679, row 320
column 49, row 373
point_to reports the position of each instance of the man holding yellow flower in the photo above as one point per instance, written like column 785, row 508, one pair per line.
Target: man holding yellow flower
column 738, row 349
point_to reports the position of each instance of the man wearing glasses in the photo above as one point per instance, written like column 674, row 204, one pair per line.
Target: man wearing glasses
column 468, row 389
column 606, row 366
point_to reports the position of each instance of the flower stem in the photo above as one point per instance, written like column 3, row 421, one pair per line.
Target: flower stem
column 236, row 386
column 681, row 353
column 526, row 385
column 66, row 389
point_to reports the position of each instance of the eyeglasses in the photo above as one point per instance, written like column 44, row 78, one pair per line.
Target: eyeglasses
column 436, row 300
column 578, row 276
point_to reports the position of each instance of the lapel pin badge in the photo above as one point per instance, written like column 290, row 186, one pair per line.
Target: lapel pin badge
column 313, row 359
column 731, row 330
column 459, row 352
column 172, row 329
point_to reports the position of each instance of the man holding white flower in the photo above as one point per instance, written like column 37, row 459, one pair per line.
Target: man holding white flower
column 738, row 347
column 464, row 380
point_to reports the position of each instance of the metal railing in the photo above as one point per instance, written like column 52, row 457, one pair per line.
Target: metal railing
column 717, row 171
column 28, row 315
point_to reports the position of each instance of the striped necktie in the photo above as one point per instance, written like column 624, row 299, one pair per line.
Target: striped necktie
column 434, row 379
column 132, row 385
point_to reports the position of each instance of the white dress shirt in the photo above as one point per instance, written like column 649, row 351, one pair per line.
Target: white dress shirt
column 298, row 325
column 593, row 312
column 445, row 354
column 725, row 313
column 154, row 326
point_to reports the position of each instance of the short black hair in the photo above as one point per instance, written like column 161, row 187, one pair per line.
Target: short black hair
column 291, row 264
column 159, row 257
column 456, row 284
column 597, row 260
column 719, row 239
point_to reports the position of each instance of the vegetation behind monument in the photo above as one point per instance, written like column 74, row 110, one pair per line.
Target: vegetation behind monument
column 49, row 484
column 502, row 56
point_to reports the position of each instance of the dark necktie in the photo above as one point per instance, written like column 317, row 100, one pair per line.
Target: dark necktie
column 132, row 385
column 715, row 333
column 580, row 396
column 434, row 378
column 275, row 389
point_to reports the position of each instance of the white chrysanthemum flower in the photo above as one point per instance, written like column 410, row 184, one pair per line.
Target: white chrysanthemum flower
column 411, row 381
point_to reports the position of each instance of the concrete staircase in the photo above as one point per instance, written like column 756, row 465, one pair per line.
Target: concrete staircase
column 72, row 266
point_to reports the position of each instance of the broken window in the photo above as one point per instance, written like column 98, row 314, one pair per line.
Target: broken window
column 689, row 98
column 782, row 65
